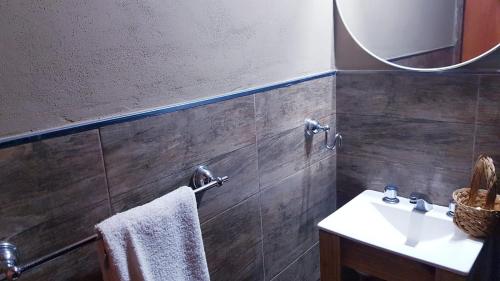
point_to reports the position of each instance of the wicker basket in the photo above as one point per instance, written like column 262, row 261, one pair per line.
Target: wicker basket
column 477, row 210
column 474, row 220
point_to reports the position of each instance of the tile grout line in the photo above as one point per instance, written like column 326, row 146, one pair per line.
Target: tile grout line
column 262, row 237
column 229, row 209
column 402, row 118
column 105, row 172
column 476, row 112
column 295, row 260
column 308, row 163
column 268, row 187
column 190, row 168
column 337, row 151
column 399, row 116
column 260, row 193
column 404, row 163
column 235, row 204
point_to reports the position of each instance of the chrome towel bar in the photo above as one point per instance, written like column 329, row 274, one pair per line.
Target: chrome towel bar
column 201, row 181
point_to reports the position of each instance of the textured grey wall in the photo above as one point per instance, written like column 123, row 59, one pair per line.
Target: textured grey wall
column 68, row 61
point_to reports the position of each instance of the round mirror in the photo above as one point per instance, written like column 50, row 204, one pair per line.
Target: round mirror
column 423, row 34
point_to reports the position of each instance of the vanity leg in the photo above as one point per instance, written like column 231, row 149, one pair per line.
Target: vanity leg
column 443, row 275
column 330, row 266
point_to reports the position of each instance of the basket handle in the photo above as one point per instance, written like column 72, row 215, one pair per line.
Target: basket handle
column 481, row 176
column 475, row 185
column 492, row 194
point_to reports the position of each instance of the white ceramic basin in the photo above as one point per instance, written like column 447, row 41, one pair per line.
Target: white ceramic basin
column 431, row 238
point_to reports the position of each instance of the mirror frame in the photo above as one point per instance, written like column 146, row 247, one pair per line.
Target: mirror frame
column 435, row 69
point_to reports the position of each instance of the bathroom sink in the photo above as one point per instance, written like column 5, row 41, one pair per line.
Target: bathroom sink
column 430, row 238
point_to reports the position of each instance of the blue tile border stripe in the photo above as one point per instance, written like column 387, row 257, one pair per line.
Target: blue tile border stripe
column 90, row 125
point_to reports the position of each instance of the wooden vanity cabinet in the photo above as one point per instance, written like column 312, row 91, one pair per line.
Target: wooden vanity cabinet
column 336, row 252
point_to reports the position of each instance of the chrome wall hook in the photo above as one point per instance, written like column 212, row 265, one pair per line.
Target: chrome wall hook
column 313, row 127
column 8, row 261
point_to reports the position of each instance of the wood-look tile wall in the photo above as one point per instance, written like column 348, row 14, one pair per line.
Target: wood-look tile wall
column 418, row 131
column 258, row 226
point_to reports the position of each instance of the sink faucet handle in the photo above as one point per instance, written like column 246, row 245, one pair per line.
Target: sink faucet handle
column 391, row 194
column 414, row 196
column 451, row 208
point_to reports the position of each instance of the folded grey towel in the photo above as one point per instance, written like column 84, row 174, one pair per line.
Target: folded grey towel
column 155, row 242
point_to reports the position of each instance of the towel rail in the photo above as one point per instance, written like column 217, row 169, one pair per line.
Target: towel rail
column 9, row 270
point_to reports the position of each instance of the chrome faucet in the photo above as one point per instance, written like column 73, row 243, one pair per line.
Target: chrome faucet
column 422, row 202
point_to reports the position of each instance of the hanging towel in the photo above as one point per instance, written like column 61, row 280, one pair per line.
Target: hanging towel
column 158, row 241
